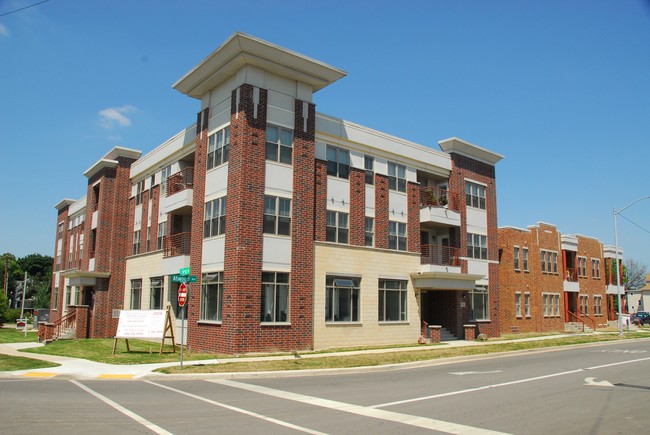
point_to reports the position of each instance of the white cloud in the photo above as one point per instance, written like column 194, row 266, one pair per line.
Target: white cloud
column 3, row 30
column 115, row 116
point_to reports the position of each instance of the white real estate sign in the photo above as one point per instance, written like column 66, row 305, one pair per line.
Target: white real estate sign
column 141, row 324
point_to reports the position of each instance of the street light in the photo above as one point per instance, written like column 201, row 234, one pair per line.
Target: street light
column 618, row 272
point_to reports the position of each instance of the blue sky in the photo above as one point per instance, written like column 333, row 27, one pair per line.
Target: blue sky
column 561, row 88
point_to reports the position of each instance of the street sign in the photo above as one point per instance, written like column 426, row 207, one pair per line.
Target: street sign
column 182, row 295
column 184, row 271
column 184, row 279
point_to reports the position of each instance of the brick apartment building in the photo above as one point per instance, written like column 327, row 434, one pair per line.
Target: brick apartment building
column 305, row 231
column 551, row 281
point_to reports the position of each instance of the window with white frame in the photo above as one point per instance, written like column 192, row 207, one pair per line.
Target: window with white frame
column 478, row 300
column 527, row 304
column 277, row 215
column 275, row 297
column 392, row 300
column 156, row 286
column 396, row 177
column 517, row 304
column 136, row 294
column 549, row 261
column 214, row 222
column 475, row 195
column 595, row 268
column 337, row 227
column 525, row 259
column 162, row 233
column 598, row 305
column 397, row 235
column 338, row 162
column 136, row 242
column 582, row 267
column 55, row 298
column 138, row 192
column 551, row 304
column 164, row 175
column 477, row 246
column 218, row 148
column 369, row 231
column 68, row 296
column 342, row 295
column 369, row 166
column 584, row 304
column 279, row 144
column 516, row 255
column 211, row 296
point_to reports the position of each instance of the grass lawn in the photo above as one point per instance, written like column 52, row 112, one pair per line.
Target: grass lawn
column 11, row 335
column 11, row 363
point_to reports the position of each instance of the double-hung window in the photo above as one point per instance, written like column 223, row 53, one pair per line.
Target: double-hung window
column 277, row 215
column 138, row 192
column 136, row 294
column 214, row 222
column 156, row 293
column 342, row 299
column 397, row 235
column 211, row 296
column 527, row 304
column 582, row 267
column 475, row 195
column 595, row 268
column 279, row 144
column 164, row 175
column 396, row 177
column 136, row 242
column 162, row 233
column 338, row 162
column 218, row 147
column 477, row 246
column 337, row 227
column 392, row 300
column 369, row 166
column 525, row 260
column 516, row 254
column 275, row 297
column 369, row 231
column 518, row 304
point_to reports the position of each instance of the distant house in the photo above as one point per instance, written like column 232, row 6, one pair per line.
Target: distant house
column 639, row 299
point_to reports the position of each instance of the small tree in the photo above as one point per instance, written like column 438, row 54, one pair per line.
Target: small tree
column 635, row 274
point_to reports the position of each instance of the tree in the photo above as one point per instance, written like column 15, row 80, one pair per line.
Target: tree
column 635, row 273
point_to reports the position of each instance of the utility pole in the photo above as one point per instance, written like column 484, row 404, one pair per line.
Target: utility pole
column 22, row 307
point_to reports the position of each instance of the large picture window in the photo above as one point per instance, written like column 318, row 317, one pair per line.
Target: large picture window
column 277, row 215
column 338, row 162
column 392, row 300
column 215, row 217
column 279, row 143
column 342, row 299
column 211, row 296
column 275, row 297
column 156, row 285
column 397, row 235
column 475, row 195
column 218, row 148
column 337, row 227
column 478, row 299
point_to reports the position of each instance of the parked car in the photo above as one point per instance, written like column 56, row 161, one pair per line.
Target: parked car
column 641, row 318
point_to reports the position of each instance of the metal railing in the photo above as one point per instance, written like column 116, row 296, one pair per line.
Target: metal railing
column 181, row 180
column 573, row 317
column 177, row 244
column 570, row 274
column 66, row 323
column 439, row 255
column 435, row 197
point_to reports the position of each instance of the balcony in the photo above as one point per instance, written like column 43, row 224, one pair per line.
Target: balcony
column 439, row 255
column 571, row 280
column 181, row 180
column 177, row 244
column 439, row 207
column 179, row 192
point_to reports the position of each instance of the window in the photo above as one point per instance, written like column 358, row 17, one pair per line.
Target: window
column 162, row 234
column 478, row 299
column 136, row 242
column 275, row 297
column 369, row 165
column 392, row 300
column 136, row 294
column 68, row 295
column 595, row 268
column 584, row 304
column 342, row 299
column 582, row 267
column 218, row 148
column 549, row 261
column 525, row 261
column 279, row 143
column 475, row 195
column 277, row 215
column 518, row 304
column 527, row 304
column 211, row 296
column 598, row 305
column 338, row 162
column 138, row 193
column 164, row 175
column 337, row 227
column 397, row 235
column 516, row 257
column 396, row 177
column 156, row 286
column 55, row 300
column 370, row 232
column 214, row 222
column 477, row 246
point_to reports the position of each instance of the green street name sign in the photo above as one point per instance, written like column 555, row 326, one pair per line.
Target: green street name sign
column 184, row 271
column 184, row 279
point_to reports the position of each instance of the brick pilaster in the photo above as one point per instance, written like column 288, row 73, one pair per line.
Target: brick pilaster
column 357, row 206
column 381, row 211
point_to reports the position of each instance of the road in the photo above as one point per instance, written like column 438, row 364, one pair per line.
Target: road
column 597, row 389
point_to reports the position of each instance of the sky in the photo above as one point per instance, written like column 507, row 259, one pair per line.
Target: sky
column 561, row 88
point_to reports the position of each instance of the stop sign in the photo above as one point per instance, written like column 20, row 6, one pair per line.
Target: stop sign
column 182, row 295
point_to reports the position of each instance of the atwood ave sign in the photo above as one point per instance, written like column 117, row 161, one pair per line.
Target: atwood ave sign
column 141, row 324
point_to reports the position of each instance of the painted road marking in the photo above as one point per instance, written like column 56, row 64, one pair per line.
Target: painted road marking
column 593, row 382
column 240, row 410
column 116, row 376
column 411, row 420
column 39, row 374
column 143, row 421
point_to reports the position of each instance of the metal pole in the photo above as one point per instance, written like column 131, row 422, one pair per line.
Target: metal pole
column 618, row 279
column 22, row 307
column 182, row 332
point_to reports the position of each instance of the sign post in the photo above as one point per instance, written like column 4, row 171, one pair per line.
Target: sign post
column 182, row 299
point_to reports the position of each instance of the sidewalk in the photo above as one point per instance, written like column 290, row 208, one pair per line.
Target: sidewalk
column 84, row 369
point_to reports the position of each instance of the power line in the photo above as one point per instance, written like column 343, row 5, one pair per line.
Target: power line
column 22, row 9
column 634, row 223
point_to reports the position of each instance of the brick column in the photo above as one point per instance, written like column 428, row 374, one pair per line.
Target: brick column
column 434, row 333
column 381, row 211
column 357, row 207
column 470, row 332
column 413, row 227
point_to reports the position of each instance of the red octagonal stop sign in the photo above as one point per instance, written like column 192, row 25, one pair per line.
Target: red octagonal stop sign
column 182, row 295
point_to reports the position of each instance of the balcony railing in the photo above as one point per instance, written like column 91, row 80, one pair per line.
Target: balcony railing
column 177, row 244
column 570, row 274
column 439, row 255
column 184, row 179
column 435, row 197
